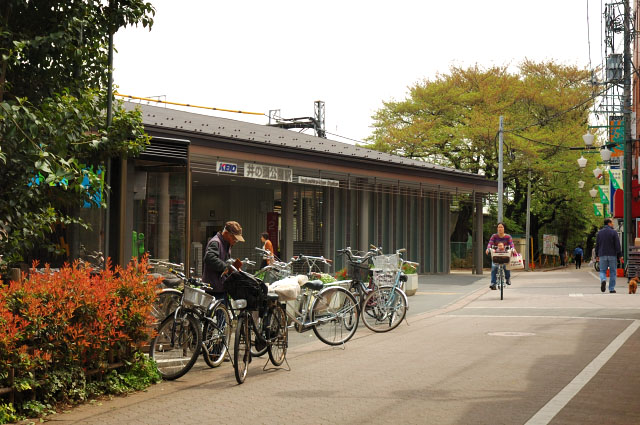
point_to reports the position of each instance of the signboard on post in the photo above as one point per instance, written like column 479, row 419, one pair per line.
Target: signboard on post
column 549, row 245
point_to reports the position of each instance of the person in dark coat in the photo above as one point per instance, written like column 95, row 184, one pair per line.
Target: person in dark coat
column 217, row 252
column 608, row 251
column 561, row 251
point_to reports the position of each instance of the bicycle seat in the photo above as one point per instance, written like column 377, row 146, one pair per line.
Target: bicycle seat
column 171, row 282
column 315, row 285
column 272, row 296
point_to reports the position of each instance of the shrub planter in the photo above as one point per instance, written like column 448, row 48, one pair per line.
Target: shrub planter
column 411, row 285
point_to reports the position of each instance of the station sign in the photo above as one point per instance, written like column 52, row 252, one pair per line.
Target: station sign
column 268, row 172
column 318, row 182
column 226, row 167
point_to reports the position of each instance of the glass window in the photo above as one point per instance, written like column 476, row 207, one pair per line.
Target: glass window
column 159, row 215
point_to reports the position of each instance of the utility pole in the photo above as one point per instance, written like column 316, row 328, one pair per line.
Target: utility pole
column 527, row 254
column 500, row 166
column 627, row 169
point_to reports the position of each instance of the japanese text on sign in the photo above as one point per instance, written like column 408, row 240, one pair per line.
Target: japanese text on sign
column 267, row 172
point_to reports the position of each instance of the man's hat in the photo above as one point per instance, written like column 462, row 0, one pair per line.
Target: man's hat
column 235, row 229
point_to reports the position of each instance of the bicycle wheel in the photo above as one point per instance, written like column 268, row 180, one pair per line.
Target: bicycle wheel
column 176, row 346
column 384, row 309
column 165, row 303
column 278, row 335
column 241, row 349
column 501, row 283
column 334, row 313
column 258, row 346
column 216, row 335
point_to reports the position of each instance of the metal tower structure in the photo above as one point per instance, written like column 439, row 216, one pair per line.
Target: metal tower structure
column 610, row 103
column 316, row 122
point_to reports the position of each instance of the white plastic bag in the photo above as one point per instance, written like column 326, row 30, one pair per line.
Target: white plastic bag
column 287, row 289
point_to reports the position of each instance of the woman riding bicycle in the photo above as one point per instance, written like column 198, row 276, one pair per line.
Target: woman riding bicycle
column 496, row 238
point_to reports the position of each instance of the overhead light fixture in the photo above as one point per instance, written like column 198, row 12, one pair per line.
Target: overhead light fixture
column 605, row 154
column 588, row 139
column 580, row 184
column 597, row 172
column 582, row 161
column 593, row 192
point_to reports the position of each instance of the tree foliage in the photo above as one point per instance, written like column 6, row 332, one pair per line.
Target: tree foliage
column 453, row 120
column 53, row 99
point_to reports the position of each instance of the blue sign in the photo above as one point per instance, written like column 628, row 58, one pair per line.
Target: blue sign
column 227, row 167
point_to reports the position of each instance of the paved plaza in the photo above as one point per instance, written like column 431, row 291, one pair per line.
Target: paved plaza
column 555, row 350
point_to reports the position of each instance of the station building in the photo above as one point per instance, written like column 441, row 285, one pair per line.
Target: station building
column 312, row 195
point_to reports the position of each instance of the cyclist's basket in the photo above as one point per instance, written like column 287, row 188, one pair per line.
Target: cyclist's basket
column 359, row 271
column 196, row 297
column 387, row 263
column 242, row 286
column 500, row 257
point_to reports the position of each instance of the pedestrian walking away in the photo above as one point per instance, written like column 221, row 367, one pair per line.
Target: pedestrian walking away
column 496, row 239
column 577, row 255
column 608, row 250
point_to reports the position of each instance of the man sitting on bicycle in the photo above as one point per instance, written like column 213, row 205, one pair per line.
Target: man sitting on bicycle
column 217, row 252
column 496, row 239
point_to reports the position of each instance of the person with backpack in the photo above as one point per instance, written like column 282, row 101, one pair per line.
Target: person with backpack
column 577, row 255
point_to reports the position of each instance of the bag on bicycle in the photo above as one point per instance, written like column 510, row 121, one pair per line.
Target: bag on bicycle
column 241, row 285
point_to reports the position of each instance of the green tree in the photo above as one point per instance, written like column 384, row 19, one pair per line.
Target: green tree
column 453, row 120
column 53, row 99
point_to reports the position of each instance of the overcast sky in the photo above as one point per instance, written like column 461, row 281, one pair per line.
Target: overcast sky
column 353, row 55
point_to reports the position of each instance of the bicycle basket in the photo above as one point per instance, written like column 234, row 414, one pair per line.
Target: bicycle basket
column 196, row 297
column 359, row 271
column 500, row 257
column 240, row 285
column 383, row 278
column 386, row 262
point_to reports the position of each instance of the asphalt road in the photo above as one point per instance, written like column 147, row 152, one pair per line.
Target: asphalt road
column 555, row 350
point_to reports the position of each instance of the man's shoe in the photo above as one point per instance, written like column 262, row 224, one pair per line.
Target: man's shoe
column 508, row 282
column 612, row 292
column 493, row 287
column 603, row 285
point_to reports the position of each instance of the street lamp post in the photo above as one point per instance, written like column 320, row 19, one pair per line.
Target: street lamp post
column 628, row 237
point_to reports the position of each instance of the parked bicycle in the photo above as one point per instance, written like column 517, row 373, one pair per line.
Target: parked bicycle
column 169, row 293
column 199, row 324
column 329, row 310
column 251, row 297
column 276, row 270
column 382, row 302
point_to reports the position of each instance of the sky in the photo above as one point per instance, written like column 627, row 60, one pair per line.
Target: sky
column 258, row 56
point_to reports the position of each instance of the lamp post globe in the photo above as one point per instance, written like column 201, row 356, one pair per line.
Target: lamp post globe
column 582, row 162
column 588, row 139
column 593, row 193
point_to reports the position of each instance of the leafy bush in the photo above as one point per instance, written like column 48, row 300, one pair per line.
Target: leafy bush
column 409, row 269
column 57, row 326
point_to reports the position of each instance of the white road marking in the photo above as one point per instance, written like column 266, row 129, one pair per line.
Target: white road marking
column 557, row 403
column 496, row 316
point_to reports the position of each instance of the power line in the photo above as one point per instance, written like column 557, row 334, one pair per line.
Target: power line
column 187, row 104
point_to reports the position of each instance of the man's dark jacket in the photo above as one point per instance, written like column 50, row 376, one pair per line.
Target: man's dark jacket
column 608, row 243
column 216, row 253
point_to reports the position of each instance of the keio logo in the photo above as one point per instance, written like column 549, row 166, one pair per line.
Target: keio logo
column 227, row 167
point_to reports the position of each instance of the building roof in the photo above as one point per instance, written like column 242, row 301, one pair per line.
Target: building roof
column 277, row 138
